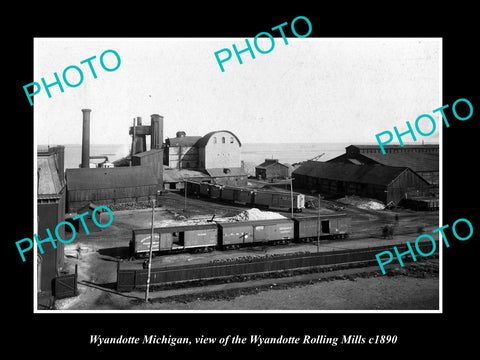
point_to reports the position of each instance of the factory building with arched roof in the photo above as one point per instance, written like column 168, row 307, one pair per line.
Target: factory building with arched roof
column 217, row 155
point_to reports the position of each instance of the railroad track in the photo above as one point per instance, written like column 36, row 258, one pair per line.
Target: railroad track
column 243, row 269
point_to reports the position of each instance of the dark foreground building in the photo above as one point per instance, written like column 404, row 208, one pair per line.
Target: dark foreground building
column 51, row 211
column 106, row 186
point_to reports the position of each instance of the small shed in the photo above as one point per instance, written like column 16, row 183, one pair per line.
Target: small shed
column 272, row 169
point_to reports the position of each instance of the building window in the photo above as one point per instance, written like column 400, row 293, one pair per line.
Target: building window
column 214, row 139
column 231, row 139
column 223, row 140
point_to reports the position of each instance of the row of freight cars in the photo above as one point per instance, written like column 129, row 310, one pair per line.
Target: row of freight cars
column 232, row 235
column 267, row 199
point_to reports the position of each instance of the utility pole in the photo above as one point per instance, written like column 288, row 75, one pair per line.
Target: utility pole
column 318, row 225
column 185, row 184
column 150, row 254
column 291, row 193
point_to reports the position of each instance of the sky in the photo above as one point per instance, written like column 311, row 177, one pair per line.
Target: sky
column 312, row 90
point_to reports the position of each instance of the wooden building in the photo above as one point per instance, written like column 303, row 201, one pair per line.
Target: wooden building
column 336, row 179
column 422, row 159
column 153, row 158
column 271, row 169
column 181, row 152
column 51, row 197
column 110, row 185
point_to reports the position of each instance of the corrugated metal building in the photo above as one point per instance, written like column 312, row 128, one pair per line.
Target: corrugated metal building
column 51, row 211
column 153, row 158
column 385, row 183
column 181, row 152
column 110, row 185
column 423, row 159
column 272, row 169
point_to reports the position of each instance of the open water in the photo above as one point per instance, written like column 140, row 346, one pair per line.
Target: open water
column 251, row 153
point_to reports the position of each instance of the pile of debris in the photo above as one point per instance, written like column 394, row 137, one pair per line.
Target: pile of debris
column 362, row 203
column 245, row 215
column 253, row 214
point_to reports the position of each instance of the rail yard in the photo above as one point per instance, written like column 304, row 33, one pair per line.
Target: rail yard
column 99, row 256
column 215, row 231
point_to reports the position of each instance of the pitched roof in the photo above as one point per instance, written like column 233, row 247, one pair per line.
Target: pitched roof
column 417, row 161
column 183, row 141
column 178, row 175
column 269, row 162
column 49, row 182
column 368, row 174
column 409, row 146
column 204, row 140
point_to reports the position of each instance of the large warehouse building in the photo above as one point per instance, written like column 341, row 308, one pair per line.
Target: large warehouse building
column 106, row 186
column 422, row 159
column 385, row 183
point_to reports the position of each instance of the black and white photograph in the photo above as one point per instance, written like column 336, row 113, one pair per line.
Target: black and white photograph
column 258, row 183
column 260, row 189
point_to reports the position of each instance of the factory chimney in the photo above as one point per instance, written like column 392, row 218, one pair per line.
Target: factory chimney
column 156, row 132
column 86, row 139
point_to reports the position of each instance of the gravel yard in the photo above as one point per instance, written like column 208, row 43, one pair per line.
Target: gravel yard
column 97, row 255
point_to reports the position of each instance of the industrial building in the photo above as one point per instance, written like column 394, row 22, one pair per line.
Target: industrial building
column 336, row 179
column 110, row 186
column 272, row 169
column 51, row 197
column 215, row 156
column 422, row 159
column 181, row 151
column 140, row 180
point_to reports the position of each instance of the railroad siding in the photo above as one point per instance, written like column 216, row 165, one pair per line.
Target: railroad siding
column 128, row 280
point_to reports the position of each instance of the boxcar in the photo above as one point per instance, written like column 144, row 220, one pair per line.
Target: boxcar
column 243, row 196
column 215, row 191
column 193, row 188
column 227, row 193
column 205, row 189
column 235, row 234
column 330, row 226
column 165, row 239
column 140, row 242
column 279, row 200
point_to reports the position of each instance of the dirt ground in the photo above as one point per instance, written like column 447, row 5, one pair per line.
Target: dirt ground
column 98, row 254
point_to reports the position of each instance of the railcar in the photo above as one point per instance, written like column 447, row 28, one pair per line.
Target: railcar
column 205, row 189
column 279, row 200
column 233, row 235
column 275, row 200
column 227, row 193
column 243, row 196
column 335, row 226
column 202, row 237
column 237, row 234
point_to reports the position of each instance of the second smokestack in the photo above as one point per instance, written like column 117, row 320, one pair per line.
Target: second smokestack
column 86, row 139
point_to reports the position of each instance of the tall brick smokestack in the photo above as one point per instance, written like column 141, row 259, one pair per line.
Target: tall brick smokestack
column 86, row 139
